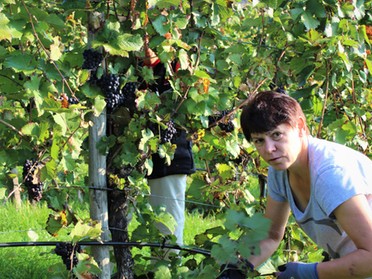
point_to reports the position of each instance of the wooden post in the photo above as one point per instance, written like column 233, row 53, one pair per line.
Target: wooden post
column 16, row 189
column 98, row 198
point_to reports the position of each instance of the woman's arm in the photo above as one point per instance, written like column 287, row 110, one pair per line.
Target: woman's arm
column 355, row 217
column 278, row 214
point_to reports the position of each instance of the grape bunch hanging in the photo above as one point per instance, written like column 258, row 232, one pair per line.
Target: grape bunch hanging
column 92, row 59
column 167, row 134
column 34, row 187
column 129, row 93
column 224, row 121
column 67, row 252
column 110, row 86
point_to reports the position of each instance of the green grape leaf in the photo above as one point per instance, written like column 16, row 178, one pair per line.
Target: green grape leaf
column 5, row 32
column 233, row 219
column 20, row 62
column 165, row 218
column 148, row 100
column 31, row 129
column 309, row 20
column 225, row 171
column 54, row 224
column 163, row 272
column 160, row 25
column 83, row 231
column 54, row 151
column 60, row 119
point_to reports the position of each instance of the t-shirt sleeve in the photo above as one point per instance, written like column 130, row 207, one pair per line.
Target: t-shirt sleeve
column 335, row 185
column 276, row 185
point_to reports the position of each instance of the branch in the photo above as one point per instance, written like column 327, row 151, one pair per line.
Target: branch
column 252, row 93
column 12, row 127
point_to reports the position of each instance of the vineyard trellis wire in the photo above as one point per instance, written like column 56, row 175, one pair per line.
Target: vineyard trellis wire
column 161, row 245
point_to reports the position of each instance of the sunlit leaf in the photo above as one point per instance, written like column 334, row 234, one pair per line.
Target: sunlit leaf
column 55, row 52
column 163, row 272
column 83, row 231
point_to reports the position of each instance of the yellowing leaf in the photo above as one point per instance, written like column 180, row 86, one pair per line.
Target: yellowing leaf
column 55, row 52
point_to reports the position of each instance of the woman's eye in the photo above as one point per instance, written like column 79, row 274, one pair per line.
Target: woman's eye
column 257, row 141
column 277, row 135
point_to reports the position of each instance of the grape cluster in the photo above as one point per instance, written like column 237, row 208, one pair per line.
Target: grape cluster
column 34, row 190
column 92, row 59
column 67, row 252
column 226, row 124
column 110, row 86
column 168, row 134
column 129, row 92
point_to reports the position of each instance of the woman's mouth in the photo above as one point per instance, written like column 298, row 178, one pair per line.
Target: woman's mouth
column 273, row 160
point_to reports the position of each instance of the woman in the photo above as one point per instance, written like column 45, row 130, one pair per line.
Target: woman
column 326, row 186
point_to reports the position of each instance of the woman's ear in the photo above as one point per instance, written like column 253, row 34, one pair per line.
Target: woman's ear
column 302, row 127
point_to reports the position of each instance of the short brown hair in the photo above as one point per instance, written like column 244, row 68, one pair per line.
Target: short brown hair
column 266, row 110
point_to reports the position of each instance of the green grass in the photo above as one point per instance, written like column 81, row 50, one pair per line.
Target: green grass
column 25, row 262
column 40, row 262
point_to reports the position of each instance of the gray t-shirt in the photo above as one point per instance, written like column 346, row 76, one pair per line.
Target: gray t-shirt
column 337, row 173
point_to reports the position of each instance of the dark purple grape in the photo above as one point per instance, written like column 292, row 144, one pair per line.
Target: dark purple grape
column 34, row 190
column 110, row 86
column 73, row 100
column 168, row 134
column 67, row 252
column 225, row 124
column 92, row 59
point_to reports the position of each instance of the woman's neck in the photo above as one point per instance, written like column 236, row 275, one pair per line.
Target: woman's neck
column 300, row 167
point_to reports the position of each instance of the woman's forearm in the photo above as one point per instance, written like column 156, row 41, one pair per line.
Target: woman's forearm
column 267, row 248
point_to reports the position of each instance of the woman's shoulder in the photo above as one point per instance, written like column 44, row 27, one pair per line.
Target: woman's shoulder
column 324, row 154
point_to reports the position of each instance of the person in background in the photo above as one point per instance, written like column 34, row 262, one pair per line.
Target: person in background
column 326, row 186
column 168, row 182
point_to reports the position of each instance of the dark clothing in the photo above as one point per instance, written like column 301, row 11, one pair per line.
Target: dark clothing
column 182, row 163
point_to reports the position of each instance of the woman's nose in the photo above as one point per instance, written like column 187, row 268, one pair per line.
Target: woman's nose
column 270, row 146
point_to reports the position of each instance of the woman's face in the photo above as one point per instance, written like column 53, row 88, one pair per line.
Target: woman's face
column 279, row 147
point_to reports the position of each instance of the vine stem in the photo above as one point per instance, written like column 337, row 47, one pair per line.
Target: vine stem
column 253, row 92
column 64, row 81
column 12, row 127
